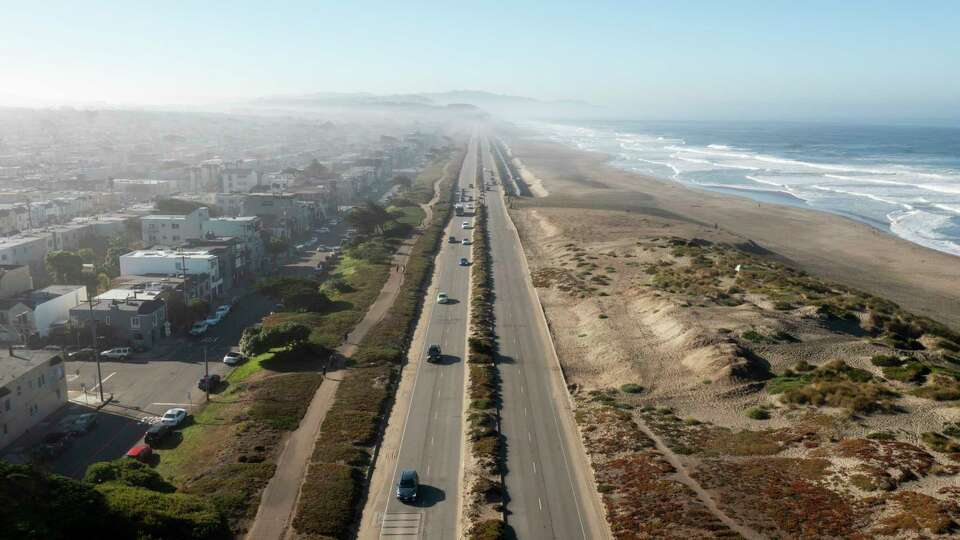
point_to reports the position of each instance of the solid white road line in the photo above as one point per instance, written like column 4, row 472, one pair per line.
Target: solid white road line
column 105, row 379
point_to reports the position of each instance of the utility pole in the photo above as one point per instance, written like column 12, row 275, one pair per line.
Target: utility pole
column 206, row 372
column 96, row 353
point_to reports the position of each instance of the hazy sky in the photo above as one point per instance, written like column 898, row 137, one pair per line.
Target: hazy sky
column 759, row 58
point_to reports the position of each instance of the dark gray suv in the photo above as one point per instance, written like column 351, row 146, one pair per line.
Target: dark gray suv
column 408, row 485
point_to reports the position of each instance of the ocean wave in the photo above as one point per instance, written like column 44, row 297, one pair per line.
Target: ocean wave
column 942, row 188
column 955, row 208
column 921, row 228
column 864, row 195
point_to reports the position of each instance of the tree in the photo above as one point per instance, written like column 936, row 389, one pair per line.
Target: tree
column 276, row 246
column 111, row 261
column 315, row 170
column 103, row 281
column 64, row 267
column 87, row 255
column 403, row 181
column 198, row 310
column 369, row 218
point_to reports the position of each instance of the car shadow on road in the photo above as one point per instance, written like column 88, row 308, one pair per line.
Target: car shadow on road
column 503, row 359
column 446, row 360
column 428, row 496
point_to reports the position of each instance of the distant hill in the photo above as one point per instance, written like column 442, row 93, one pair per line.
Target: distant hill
column 498, row 104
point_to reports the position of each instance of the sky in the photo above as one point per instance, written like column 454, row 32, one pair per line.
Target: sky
column 758, row 59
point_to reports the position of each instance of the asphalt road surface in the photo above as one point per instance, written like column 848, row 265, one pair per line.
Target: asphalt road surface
column 548, row 479
column 432, row 427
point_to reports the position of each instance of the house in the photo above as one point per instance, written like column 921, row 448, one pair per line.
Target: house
column 238, row 180
column 139, row 322
column 171, row 230
column 247, row 232
column 199, row 263
column 70, row 236
column 29, row 249
column 283, row 215
column 38, row 312
column 33, row 386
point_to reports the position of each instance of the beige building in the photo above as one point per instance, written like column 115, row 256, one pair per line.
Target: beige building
column 32, row 387
column 14, row 279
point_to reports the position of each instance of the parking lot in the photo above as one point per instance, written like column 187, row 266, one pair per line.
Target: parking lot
column 141, row 388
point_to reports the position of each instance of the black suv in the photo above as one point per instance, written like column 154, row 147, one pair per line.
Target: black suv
column 157, row 433
column 433, row 353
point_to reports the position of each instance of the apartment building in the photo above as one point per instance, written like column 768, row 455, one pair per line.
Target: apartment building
column 32, row 387
column 172, row 230
column 201, row 264
column 140, row 322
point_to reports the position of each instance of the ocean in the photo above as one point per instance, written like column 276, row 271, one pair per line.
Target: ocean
column 900, row 179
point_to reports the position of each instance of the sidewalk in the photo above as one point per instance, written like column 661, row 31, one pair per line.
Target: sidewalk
column 280, row 496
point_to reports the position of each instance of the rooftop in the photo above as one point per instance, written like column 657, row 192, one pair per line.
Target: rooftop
column 169, row 254
column 22, row 361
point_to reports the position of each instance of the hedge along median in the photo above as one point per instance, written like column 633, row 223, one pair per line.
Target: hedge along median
column 483, row 483
column 333, row 490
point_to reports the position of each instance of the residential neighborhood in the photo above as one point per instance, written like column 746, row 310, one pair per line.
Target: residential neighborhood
column 119, row 294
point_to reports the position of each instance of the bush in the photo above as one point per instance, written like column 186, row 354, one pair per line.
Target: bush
column 631, row 388
column 939, row 443
column 256, row 340
column 757, row 413
column 858, row 397
column 886, row 360
column 128, row 472
column 490, row 529
column 150, row 514
column 914, row 372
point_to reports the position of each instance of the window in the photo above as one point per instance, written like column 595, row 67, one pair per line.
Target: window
column 106, row 320
column 134, row 322
column 175, row 238
column 174, row 225
column 18, row 389
column 6, row 404
column 3, row 317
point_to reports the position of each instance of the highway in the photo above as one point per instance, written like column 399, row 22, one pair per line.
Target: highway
column 430, row 442
column 548, row 480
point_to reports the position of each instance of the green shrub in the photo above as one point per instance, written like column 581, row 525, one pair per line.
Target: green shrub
column 757, row 413
column 128, row 472
column 857, row 397
column 631, row 388
column 490, row 529
column 886, row 360
column 939, row 443
column 948, row 345
column 150, row 514
column 914, row 372
column 883, row 436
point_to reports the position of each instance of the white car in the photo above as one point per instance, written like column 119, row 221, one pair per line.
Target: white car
column 442, row 298
column 465, row 241
column 223, row 311
column 233, row 358
column 119, row 353
column 173, row 417
column 199, row 328
column 214, row 319
column 467, row 225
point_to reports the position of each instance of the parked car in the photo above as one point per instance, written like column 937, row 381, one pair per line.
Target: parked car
column 466, row 241
column 408, row 485
column 173, row 417
column 213, row 319
column 442, row 298
column 78, row 424
column 467, row 225
column 141, row 453
column 433, row 353
column 157, row 433
column 82, row 354
column 233, row 358
column 323, row 230
column 117, row 353
column 199, row 328
column 464, row 261
column 208, row 383
column 453, row 239
column 223, row 311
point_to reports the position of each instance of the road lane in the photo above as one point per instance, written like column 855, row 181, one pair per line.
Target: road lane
column 548, row 480
column 430, row 442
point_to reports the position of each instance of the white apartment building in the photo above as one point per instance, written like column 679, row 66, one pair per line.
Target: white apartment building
column 28, row 249
column 238, row 180
column 172, row 230
column 199, row 263
column 32, row 387
column 247, row 232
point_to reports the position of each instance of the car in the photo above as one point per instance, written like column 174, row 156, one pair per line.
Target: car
column 452, row 239
column 408, row 485
column 173, row 417
column 78, row 424
column 433, row 353
column 466, row 242
column 233, row 358
column 157, row 433
column 223, row 310
column 323, row 230
column 464, row 261
column 467, row 225
column 119, row 353
column 442, row 298
column 82, row 354
column 141, row 453
column 199, row 328
column 209, row 383
column 213, row 319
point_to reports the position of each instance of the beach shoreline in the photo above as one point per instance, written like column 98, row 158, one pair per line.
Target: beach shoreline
column 832, row 246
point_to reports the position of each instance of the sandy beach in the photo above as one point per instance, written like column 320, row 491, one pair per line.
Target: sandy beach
column 922, row 280
column 722, row 378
